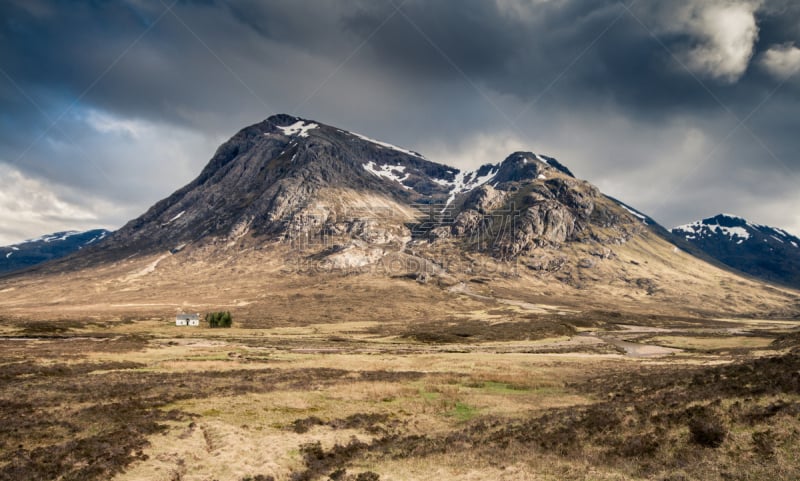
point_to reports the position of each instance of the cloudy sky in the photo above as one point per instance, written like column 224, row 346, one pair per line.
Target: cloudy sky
column 681, row 108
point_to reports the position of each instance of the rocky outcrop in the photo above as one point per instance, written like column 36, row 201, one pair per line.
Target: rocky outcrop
column 484, row 199
column 546, row 263
column 545, row 224
column 576, row 195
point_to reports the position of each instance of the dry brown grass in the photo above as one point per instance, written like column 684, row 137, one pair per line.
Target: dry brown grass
column 713, row 343
column 199, row 404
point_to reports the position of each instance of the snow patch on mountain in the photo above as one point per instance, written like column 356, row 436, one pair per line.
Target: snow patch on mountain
column 177, row 216
column 639, row 215
column 299, row 128
column 387, row 145
column 465, row 181
column 93, row 239
column 782, row 232
column 387, row 171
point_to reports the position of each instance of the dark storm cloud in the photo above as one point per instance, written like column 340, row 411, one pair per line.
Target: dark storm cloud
column 169, row 74
column 627, row 96
column 629, row 61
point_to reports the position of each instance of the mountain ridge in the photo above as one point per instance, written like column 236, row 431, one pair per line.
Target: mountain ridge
column 294, row 212
column 765, row 252
column 31, row 252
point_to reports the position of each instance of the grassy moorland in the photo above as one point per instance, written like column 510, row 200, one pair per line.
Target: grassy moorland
column 543, row 397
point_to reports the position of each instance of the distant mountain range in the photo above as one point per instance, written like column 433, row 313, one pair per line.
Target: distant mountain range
column 764, row 252
column 290, row 203
column 47, row 247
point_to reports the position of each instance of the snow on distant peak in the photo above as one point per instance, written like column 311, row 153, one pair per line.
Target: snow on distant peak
column 97, row 238
column 387, row 145
column 299, row 128
column 388, row 171
column 689, row 227
column 702, row 229
column 52, row 237
column 781, row 232
column 541, row 159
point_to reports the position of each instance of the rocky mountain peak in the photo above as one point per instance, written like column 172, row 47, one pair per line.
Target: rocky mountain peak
column 524, row 160
column 289, row 178
column 763, row 251
column 733, row 227
column 283, row 120
column 726, row 220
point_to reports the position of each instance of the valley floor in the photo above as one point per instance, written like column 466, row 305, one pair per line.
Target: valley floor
column 537, row 399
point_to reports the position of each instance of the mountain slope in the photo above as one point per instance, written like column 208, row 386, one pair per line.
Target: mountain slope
column 47, row 247
column 765, row 252
column 293, row 220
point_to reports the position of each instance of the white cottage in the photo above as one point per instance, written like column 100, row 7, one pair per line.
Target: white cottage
column 187, row 319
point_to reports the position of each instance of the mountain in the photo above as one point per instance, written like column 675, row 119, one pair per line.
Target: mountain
column 47, row 247
column 293, row 179
column 294, row 221
column 764, row 252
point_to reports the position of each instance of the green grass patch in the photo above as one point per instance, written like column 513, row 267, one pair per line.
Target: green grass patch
column 428, row 395
column 463, row 412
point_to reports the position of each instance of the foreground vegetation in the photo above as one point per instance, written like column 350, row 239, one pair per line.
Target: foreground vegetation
column 541, row 399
